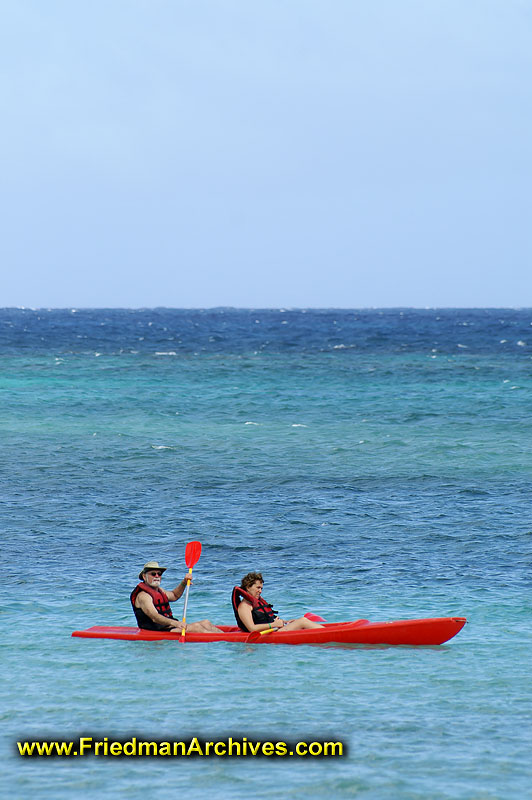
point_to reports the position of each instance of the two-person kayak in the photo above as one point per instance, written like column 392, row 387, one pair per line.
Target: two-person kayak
column 401, row 632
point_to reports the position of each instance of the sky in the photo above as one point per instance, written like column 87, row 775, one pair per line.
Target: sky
column 266, row 153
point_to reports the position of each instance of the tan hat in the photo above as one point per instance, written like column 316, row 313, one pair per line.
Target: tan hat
column 150, row 565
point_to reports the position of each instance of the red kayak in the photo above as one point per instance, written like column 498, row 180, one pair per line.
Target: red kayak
column 408, row 631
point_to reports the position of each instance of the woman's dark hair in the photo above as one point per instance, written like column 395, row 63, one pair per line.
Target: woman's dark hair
column 249, row 579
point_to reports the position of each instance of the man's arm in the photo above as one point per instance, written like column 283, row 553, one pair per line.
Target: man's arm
column 176, row 593
column 145, row 602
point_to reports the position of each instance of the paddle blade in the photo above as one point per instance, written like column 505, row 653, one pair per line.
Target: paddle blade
column 314, row 617
column 192, row 554
column 255, row 636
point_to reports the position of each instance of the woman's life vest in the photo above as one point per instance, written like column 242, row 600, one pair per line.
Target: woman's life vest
column 160, row 601
column 261, row 612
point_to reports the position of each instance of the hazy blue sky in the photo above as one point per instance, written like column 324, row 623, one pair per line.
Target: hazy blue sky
column 266, row 153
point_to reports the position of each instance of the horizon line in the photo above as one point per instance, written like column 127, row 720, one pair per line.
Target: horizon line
column 280, row 309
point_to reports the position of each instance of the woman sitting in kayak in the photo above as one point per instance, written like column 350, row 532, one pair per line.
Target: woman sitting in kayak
column 253, row 613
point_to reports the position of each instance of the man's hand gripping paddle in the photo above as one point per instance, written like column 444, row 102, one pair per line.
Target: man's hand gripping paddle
column 192, row 554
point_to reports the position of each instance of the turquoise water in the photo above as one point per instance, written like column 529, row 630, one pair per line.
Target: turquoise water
column 370, row 464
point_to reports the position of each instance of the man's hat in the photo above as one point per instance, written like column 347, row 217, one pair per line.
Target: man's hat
column 150, row 565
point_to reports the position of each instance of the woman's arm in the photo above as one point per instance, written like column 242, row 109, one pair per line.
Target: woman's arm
column 244, row 612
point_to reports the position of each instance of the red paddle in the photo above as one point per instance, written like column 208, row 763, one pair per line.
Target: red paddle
column 254, row 636
column 257, row 634
column 192, row 554
column 314, row 617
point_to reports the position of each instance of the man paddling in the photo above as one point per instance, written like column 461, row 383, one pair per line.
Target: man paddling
column 151, row 604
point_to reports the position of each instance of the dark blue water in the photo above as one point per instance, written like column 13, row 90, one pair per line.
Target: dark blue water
column 224, row 331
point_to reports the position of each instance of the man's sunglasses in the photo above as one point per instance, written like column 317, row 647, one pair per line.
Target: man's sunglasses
column 155, row 573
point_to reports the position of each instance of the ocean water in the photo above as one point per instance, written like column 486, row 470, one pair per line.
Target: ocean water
column 371, row 464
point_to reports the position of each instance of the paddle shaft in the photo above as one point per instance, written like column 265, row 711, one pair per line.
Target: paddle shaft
column 189, row 578
column 192, row 554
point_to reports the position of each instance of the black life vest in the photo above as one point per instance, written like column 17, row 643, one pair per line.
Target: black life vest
column 261, row 612
column 160, row 601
